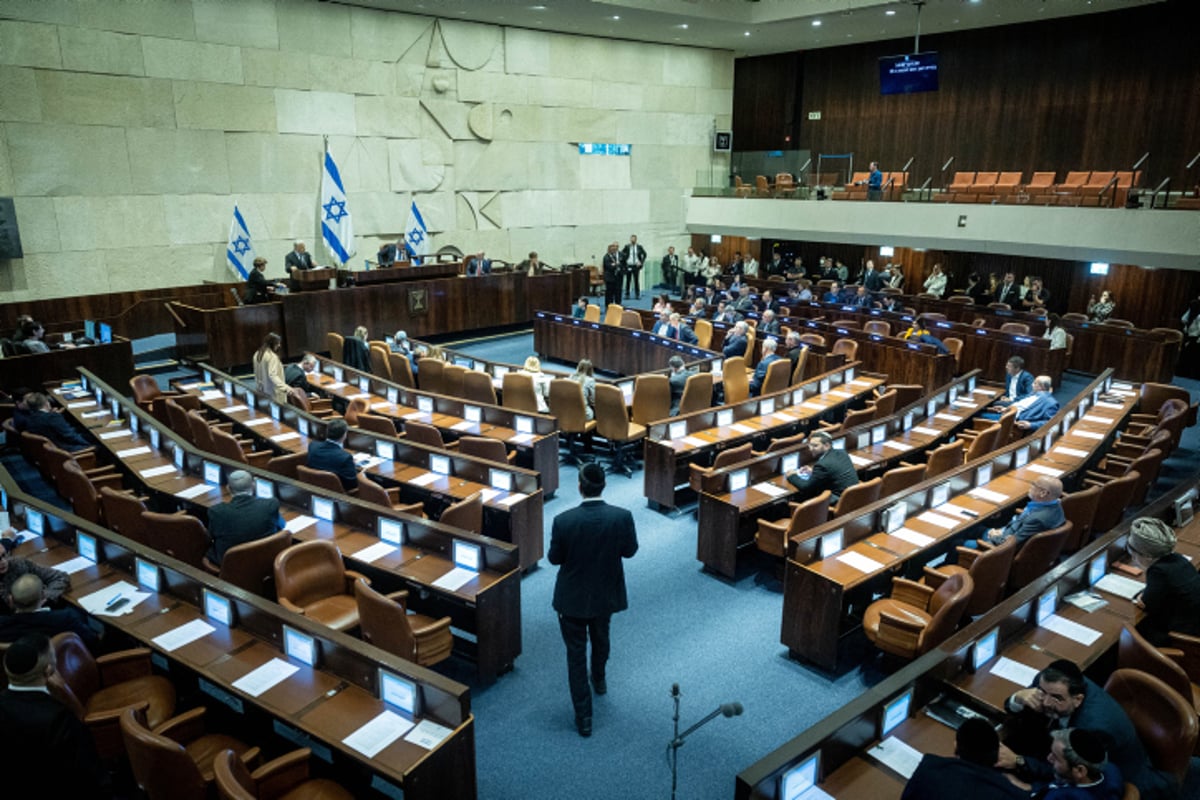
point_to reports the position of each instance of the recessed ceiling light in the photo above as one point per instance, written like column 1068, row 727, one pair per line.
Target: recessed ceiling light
column 684, row 26
column 616, row 16
column 891, row 12
column 537, row 8
column 816, row 23
column 747, row 33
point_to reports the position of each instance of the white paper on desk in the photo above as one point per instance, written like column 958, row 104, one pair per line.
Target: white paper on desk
column 94, row 414
column 25, row 536
column 811, row 406
column 897, row 755
column 987, row 494
column 382, row 405
column 740, row 428
column 428, row 734
column 335, row 385
column 947, row 417
column 368, row 462
column 424, row 479
column 488, row 494
column 840, row 393
column 1097, row 419
column 416, row 415
column 186, row 633
column 1123, row 392
column 1117, row 386
column 455, row 579
column 269, row 674
column 513, row 497
column 780, row 416
column 74, row 565
column 297, row 524
column 82, row 404
column 1044, row 470
column 377, row 734
column 115, row 434
column 211, row 394
column 1113, row 406
column 1070, row 629
column 901, row 446
column 1086, row 434
column 958, row 511
column 938, row 519
column 858, row 561
column 521, row 438
column 1119, row 585
column 96, row 602
column 369, row 555
column 766, row 487
column 233, row 408
column 285, row 437
column 1072, row 452
column 187, row 387
column 1015, row 671
column 859, row 461
column 359, row 396
column 194, row 491
column 692, row 441
column 154, row 472
column 133, row 451
column 251, row 423
column 964, row 403
column 921, row 429
column 912, row 537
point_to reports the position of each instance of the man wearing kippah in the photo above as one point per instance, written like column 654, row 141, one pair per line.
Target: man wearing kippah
column 1082, row 770
column 588, row 544
column 1171, row 598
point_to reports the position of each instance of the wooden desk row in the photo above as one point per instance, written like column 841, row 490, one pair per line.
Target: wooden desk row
column 946, row 679
column 113, row 360
column 824, row 576
column 316, row 706
column 533, row 436
column 675, row 443
column 485, row 612
column 728, row 518
column 622, row 351
column 513, row 499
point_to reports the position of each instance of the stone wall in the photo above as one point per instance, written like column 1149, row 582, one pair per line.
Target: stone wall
column 129, row 128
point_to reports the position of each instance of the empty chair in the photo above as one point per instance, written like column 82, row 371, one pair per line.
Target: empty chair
column 989, row 569
column 1074, row 316
column 955, row 346
column 612, row 314
column 401, row 370
column 734, row 380
column 851, row 324
column 651, row 398
column 1019, row 328
column 1040, row 183
column 569, row 407
column 1152, row 396
column 99, row 690
column 983, row 444
column 82, row 493
column 591, row 313
column 1080, row 509
column 377, row 424
column 704, row 331
column 310, row 579
column 123, row 512
column 962, row 182
column 1037, row 555
column 426, row 434
column 429, row 374
column 857, row 496
column 174, row 760
column 885, row 404
column 334, row 343
column 1073, row 182
column 1146, row 465
column 1165, row 722
column 371, row 492
column 181, row 536
column 478, row 388
column 762, row 188
column 287, row 464
column 356, row 408
column 1007, row 183
column 284, row 778
column 489, row 449
column 1120, row 323
column 984, row 183
column 466, row 514
column 517, row 388
column 321, row 478
column 631, row 319
column 798, row 370
column 944, row 458
column 614, row 425
column 1134, row 652
column 813, row 339
column 150, row 397
column 453, row 376
column 724, row 458
column 772, row 537
column 380, row 363
column 317, row 406
column 779, row 375
column 845, row 347
column 897, row 479
column 226, row 445
column 697, row 393
column 878, row 327
column 916, row 617
column 384, row 621
column 1114, row 499
column 859, row 416
column 251, row 565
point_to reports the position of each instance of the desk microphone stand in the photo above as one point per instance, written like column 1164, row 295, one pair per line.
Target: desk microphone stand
column 725, row 709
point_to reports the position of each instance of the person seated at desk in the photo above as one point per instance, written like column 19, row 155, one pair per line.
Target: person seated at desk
column 479, row 264
column 750, row 266
column 970, row 773
column 1171, row 598
column 862, row 298
column 889, row 302
column 935, row 284
column 541, row 383
column 54, row 582
column 296, row 375
column 725, row 314
column 919, row 332
column 769, row 357
column 1082, row 770
column 804, row 292
column 41, row 738
column 736, row 341
column 744, row 303
column 698, row 309
column 257, row 285
column 585, row 376
column 356, row 352
column 1018, row 385
column 1061, row 697
column 22, row 408
column 831, row 470
column 389, row 254
column 298, row 260
column 683, row 331
column 1055, row 333
column 401, row 344
column 579, row 310
column 328, row 454
column 1044, row 512
column 663, row 327
column 769, row 324
column 243, row 518
column 678, row 378
column 531, row 265
column 30, row 615
column 1039, row 408
column 1037, row 296
column 51, row 424
column 834, row 295
column 661, row 303
column 33, row 337
column 794, row 347
column 767, row 302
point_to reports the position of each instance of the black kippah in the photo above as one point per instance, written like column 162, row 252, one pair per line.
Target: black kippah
column 1088, row 746
column 22, row 655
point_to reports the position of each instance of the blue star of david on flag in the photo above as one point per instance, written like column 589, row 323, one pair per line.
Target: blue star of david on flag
column 337, row 225
column 239, row 254
column 416, row 235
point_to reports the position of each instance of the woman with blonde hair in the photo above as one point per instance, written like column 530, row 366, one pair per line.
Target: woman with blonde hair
column 541, row 383
column 585, row 376
column 268, row 369
column 356, row 352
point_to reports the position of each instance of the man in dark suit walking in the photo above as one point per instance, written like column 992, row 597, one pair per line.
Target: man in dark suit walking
column 612, row 276
column 633, row 258
column 330, row 456
column 588, row 544
column 244, row 518
column 832, row 470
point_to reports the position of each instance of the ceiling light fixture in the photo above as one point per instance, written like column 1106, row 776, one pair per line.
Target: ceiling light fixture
column 616, row 17
column 684, row 26
column 891, row 12
column 816, row 23
column 747, row 33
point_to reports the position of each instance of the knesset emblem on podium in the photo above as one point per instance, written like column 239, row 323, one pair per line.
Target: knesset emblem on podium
column 418, row 302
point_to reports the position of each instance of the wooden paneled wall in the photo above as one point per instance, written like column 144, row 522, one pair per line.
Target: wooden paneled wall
column 1094, row 92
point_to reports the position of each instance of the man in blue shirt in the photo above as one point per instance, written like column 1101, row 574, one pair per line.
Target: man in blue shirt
column 834, row 295
column 1039, row 408
column 875, row 183
column 1044, row 512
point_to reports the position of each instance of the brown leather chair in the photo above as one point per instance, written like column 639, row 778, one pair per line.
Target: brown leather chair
column 1114, row 499
column 453, row 376
column 478, row 388
column 916, row 617
column 734, row 380
column 334, row 343
column 517, row 388
column 813, row 339
column 725, row 458
column 955, row 346
column 251, row 565
column 317, row 406
column 122, row 512
column 1172, row 416
column 1147, row 466
column 285, row 778
column 355, row 409
column 592, row 312
column 489, row 449
column 697, row 393
column 885, row 404
column 380, row 363
column 1080, row 509
column 33, row 448
column 99, row 689
column 907, row 393
column 772, row 537
column 287, row 464
column 845, row 347
column 983, row 444
column 1165, row 722
column 612, row 314
column 878, row 327
column 897, row 479
column 989, row 568
column 798, row 370
column 1035, row 558
column 384, row 621
column 322, row 479
column 614, row 425
column 651, row 399
column 401, row 369
column 944, row 458
column 371, row 492
column 859, row 416
column 704, row 331
column 227, row 446
column 778, row 378
column 1134, row 652
column 782, row 443
column 181, row 536
column 1019, row 328
column 857, row 496
column 631, row 319
column 1152, row 396
column 311, row 579
column 174, row 760
column 81, row 490
column 569, row 407
column 377, row 424
column 178, row 420
column 426, row 434
column 466, row 514
column 429, row 374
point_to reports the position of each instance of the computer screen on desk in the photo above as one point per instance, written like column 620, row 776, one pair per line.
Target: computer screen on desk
column 795, row 783
column 985, row 649
column 89, row 329
column 105, row 333
column 398, row 692
column 467, row 555
column 894, row 713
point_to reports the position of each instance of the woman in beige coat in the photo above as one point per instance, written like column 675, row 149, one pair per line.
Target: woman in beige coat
column 268, row 369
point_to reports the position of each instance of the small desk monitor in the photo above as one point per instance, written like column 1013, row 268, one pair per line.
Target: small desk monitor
column 894, row 713
column 983, row 475
column 472, row 413
column 300, row 646
column 524, row 424
column 218, row 608
column 467, row 555
column 831, row 543
column 212, row 473
column 1046, row 604
column 939, row 495
column 180, row 457
column 89, row 329
column 794, row 783
column 724, row 417
column 985, row 649
column 322, row 508
column 790, row 462
column 766, row 406
column 398, row 692
column 264, row 488
column 391, row 531
column 148, row 574
column 1097, row 567
column 105, row 333
column 677, row 430
column 500, row 479
column 86, row 544
column 463, row 361
column 425, row 405
column 439, row 464
column 35, row 520
column 385, row 450
column 739, row 479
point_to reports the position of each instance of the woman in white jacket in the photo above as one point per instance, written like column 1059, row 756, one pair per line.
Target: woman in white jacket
column 935, row 284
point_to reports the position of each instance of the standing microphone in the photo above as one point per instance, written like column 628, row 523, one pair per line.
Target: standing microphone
column 734, row 709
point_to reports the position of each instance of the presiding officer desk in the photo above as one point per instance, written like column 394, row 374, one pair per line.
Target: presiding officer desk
column 946, row 683
column 485, row 612
column 401, row 271
column 727, row 516
column 623, row 351
column 843, row 562
column 317, row 706
column 513, row 500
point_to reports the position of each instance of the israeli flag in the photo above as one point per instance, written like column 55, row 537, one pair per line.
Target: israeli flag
column 416, row 235
column 337, row 228
column 239, row 254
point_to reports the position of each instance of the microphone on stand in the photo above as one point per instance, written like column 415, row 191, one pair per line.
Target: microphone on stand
column 733, row 709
